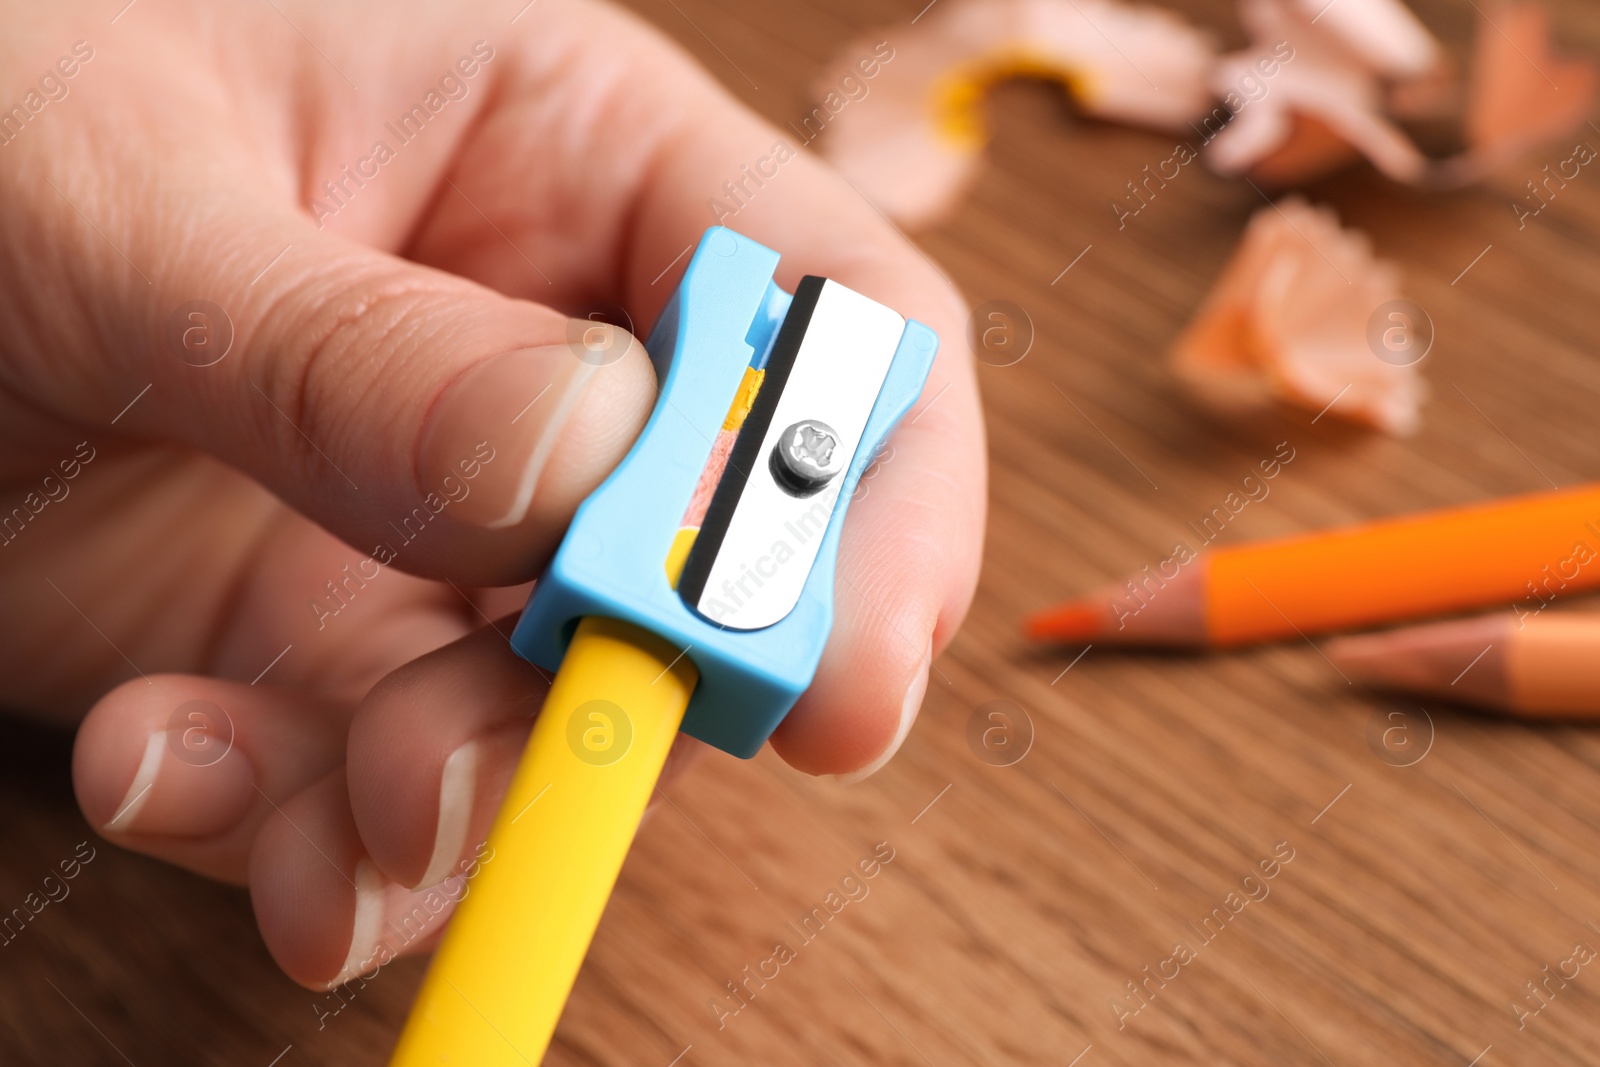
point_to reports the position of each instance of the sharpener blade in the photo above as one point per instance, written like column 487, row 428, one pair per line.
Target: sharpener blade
column 765, row 523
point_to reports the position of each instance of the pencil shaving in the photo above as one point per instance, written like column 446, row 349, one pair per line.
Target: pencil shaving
column 912, row 142
column 1523, row 94
column 1361, row 64
column 1326, row 108
column 1288, row 321
column 1381, row 35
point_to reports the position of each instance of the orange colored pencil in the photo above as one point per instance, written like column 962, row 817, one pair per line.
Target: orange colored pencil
column 1546, row 667
column 1521, row 551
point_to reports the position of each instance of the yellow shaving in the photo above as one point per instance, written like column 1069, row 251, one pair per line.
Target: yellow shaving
column 678, row 554
column 744, row 399
column 957, row 96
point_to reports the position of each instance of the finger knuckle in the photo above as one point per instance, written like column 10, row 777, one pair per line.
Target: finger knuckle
column 352, row 331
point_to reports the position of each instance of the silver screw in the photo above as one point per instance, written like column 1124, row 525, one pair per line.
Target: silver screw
column 807, row 457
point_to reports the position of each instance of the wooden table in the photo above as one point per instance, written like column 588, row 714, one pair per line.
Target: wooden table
column 1022, row 901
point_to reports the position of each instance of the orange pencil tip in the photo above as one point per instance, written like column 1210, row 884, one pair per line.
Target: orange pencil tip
column 1076, row 620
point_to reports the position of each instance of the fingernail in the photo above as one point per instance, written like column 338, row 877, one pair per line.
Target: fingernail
column 368, row 927
column 185, row 792
column 457, row 787
column 487, row 439
column 908, row 715
column 144, row 780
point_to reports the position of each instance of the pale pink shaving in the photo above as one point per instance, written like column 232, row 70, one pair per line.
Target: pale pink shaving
column 1288, row 320
column 1139, row 65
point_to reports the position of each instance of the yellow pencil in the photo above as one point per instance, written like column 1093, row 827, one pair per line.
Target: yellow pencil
column 500, row 977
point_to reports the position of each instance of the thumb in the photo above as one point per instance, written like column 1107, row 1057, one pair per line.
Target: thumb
column 391, row 402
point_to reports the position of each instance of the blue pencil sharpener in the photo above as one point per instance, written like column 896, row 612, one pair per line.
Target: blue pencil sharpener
column 720, row 528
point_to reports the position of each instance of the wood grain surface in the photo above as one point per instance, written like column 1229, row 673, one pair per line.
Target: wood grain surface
column 1409, row 906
